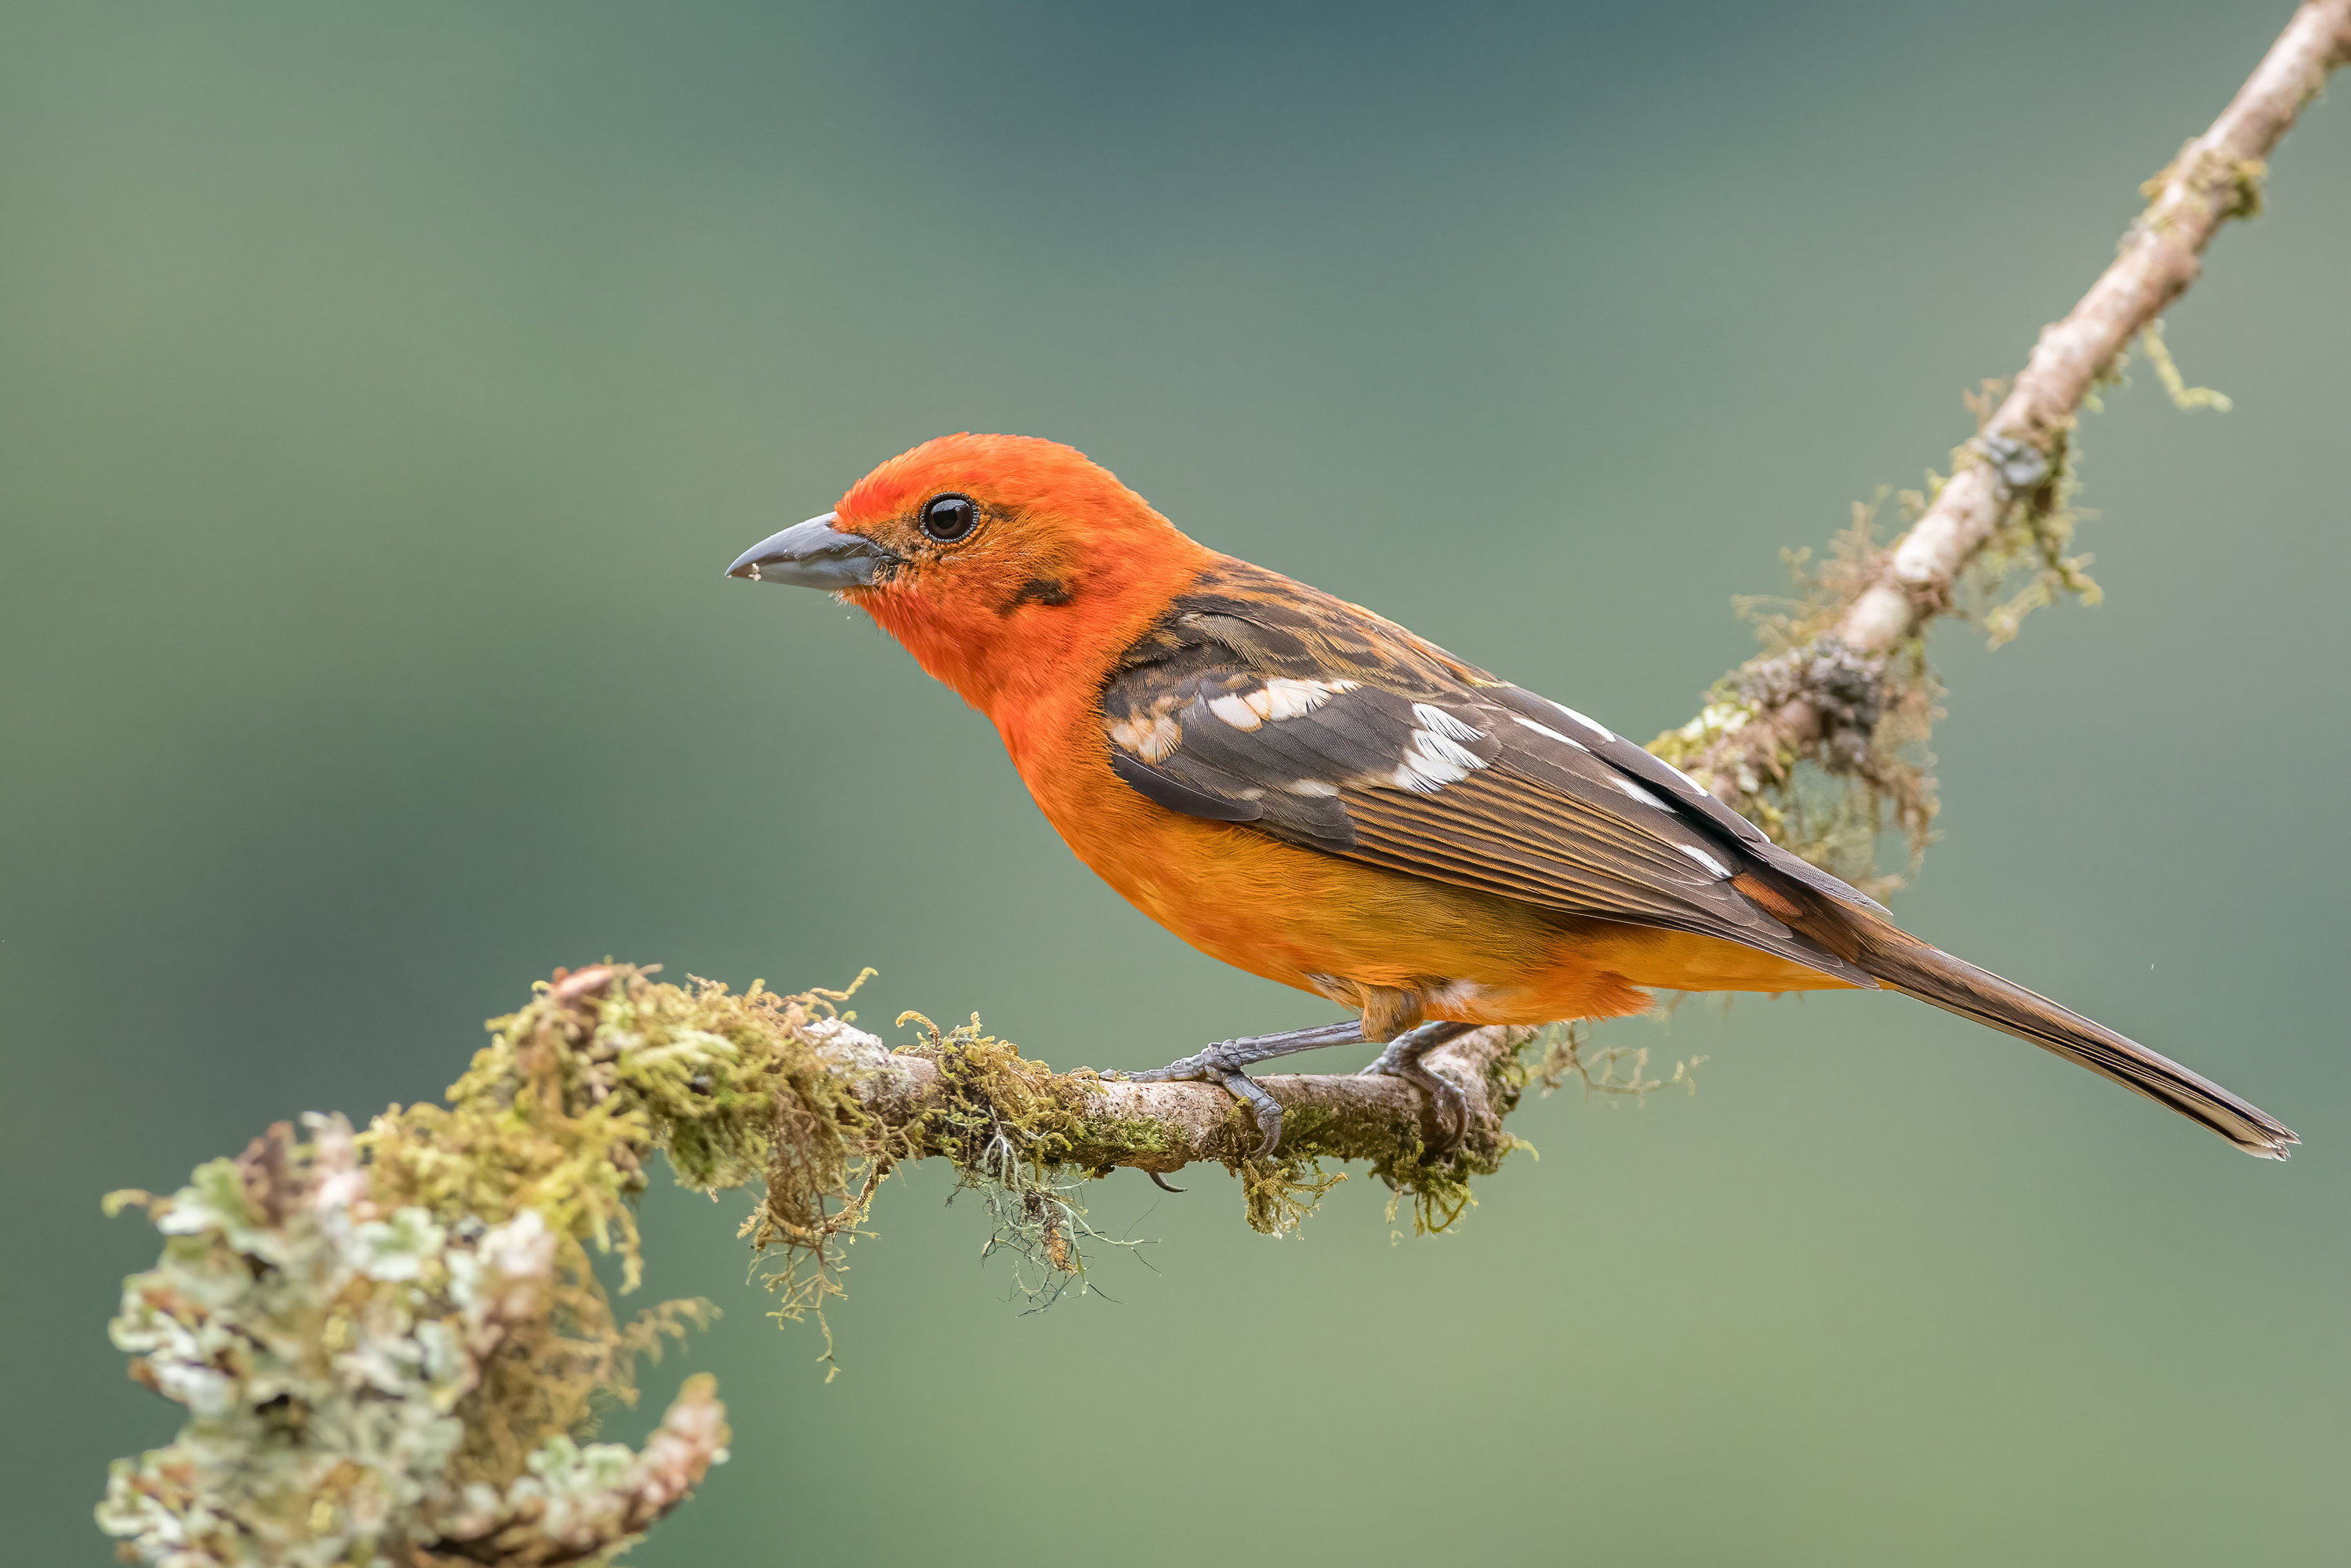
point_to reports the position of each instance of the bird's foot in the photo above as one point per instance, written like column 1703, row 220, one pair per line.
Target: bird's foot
column 1217, row 1065
column 1223, row 1062
column 1402, row 1058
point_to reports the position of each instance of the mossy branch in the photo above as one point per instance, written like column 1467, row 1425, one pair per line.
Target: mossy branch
column 1821, row 738
column 391, row 1342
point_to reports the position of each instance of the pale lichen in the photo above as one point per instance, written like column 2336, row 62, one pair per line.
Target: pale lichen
column 359, row 1378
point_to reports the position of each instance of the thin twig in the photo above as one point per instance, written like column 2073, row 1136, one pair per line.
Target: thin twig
column 1747, row 747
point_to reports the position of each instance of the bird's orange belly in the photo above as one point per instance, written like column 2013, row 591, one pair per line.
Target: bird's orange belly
column 1334, row 927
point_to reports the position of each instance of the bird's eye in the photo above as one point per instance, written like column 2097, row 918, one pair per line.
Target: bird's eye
column 949, row 518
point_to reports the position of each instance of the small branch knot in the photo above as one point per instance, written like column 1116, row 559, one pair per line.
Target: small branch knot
column 2019, row 465
column 1844, row 690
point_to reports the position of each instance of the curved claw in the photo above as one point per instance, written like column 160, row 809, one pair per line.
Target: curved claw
column 1241, row 1086
column 1452, row 1105
column 1161, row 1182
column 1402, row 1058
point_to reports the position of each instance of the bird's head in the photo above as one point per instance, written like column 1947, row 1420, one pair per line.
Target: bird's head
column 996, row 559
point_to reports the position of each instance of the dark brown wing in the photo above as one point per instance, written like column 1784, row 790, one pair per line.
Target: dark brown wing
column 1258, row 700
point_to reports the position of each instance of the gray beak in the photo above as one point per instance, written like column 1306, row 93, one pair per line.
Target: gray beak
column 813, row 554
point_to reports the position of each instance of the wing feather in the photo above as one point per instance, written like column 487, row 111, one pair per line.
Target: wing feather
column 1292, row 713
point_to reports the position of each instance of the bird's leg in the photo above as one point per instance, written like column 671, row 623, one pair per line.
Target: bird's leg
column 1222, row 1063
column 1402, row 1058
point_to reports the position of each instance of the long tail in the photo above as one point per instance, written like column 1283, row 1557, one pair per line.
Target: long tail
column 1909, row 965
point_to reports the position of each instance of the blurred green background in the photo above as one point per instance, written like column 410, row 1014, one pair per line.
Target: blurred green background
column 384, row 389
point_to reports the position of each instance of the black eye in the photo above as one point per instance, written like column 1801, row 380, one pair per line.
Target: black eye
column 949, row 518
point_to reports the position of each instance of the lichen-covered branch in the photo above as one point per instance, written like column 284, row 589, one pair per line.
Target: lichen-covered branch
column 390, row 1341
column 1843, row 690
column 374, row 1380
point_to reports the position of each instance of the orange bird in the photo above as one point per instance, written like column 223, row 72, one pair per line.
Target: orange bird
column 1312, row 793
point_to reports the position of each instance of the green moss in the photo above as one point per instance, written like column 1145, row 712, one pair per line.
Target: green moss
column 2184, row 397
column 1026, row 1139
column 996, row 1102
column 1277, row 1196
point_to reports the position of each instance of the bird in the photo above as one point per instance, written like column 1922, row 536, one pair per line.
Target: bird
column 1310, row 792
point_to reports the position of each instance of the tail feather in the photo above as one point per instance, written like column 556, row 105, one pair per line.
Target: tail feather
column 1957, row 985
